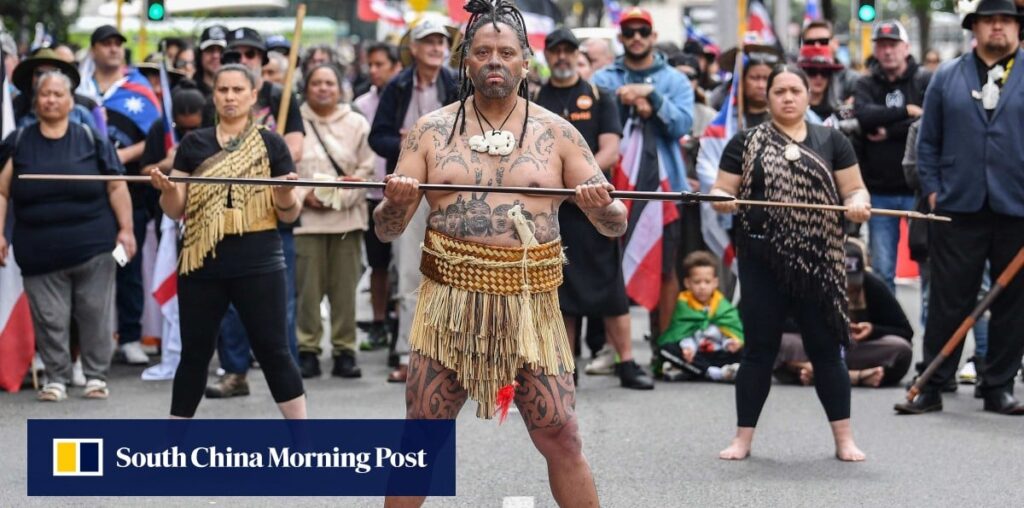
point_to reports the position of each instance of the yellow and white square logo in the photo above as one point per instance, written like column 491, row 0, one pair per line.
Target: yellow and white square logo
column 77, row 457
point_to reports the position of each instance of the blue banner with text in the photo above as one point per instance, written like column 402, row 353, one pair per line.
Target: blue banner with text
column 241, row 457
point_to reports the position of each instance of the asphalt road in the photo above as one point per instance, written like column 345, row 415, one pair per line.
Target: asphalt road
column 656, row 448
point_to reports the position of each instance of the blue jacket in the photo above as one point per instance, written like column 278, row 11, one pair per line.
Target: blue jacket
column 672, row 101
column 963, row 155
column 384, row 138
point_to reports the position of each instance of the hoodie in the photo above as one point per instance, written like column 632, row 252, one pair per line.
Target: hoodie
column 879, row 102
column 672, row 101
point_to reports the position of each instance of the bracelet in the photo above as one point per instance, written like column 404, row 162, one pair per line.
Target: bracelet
column 294, row 203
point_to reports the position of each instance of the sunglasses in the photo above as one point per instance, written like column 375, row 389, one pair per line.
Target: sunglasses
column 249, row 54
column 629, row 32
column 817, row 42
column 813, row 73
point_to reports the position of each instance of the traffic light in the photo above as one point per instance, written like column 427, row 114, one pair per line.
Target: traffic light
column 155, row 10
column 866, row 11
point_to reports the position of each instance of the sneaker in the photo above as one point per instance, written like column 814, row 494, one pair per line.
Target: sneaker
column 633, row 377
column 345, row 366
column 603, row 364
column 729, row 372
column 968, row 374
column 670, row 372
column 77, row 376
column 309, row 365
column 229, row 385
column 377, row 337
column 133, row 354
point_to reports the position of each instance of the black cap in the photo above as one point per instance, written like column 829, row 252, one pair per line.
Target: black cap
column 890, row 30
column 246, row 36
column 213, row 35
column 560, row 35
column 105, row 32
column 855, row 262
column 990, row 8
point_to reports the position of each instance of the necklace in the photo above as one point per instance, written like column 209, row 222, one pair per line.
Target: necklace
column 792, row 151
column 493, row 142
column 230, row 144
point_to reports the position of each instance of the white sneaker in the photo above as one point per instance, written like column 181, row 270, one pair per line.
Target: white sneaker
column 133, row 354
column 968, row 374
column 604, row 364
column 729, row 372
column 77, row 376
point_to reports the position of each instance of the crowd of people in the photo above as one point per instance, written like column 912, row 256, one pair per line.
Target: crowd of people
column 815, row 305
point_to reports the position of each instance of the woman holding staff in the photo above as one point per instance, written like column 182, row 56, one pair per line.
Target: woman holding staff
column 790, row 259
column 231, row 251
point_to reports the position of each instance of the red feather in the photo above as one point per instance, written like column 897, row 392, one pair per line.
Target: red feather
column 505, row 396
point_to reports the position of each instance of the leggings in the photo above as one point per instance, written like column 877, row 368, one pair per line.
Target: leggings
column 260, row 302
column 763, row 309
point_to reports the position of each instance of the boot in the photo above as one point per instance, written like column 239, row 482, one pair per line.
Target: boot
column 925, row 402
column 229, row 385
column 345, row 366
column 309, row 365
column 632, row 376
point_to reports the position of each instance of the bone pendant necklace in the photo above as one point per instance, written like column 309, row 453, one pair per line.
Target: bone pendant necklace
column 495, row 141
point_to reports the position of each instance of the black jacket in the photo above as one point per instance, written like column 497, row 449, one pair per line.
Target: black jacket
column 385, row 139
column 879, row 102
column 883, row 310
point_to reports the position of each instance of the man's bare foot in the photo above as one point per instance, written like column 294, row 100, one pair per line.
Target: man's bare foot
column 847, row 451
column 739, row 449
column 807, row 375
column 872, row 377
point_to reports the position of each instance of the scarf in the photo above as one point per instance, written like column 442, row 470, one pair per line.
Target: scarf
column 691, row 317
column 806, row 245
column 213, row 211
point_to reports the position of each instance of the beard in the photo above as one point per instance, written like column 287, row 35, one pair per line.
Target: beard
column 499, row 91
column 639, row 56
column 998, row 46
column 562, row 70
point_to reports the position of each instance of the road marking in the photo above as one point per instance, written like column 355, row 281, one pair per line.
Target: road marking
column 517, row 502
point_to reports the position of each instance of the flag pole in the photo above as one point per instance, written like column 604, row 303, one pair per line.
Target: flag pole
column 289, row 77
column 741, row 9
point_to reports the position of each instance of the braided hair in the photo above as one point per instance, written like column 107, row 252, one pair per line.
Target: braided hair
column 481, row 13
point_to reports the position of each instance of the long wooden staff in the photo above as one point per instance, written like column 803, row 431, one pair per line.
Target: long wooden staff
column 685, row 197
column 958, row 336
column 289, row 77
column 840, row 208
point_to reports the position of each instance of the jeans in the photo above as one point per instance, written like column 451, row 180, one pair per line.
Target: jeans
column 130, row 295
column 233, row 346
column 884, row 235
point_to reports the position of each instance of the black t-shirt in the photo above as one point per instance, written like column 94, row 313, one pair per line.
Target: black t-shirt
column 830, row 144
column 59, row 225
column 249, row 253
column 156, row 147
column 591, row 115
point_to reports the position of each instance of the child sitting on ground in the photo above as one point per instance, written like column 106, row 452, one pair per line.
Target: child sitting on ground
column 705, row 336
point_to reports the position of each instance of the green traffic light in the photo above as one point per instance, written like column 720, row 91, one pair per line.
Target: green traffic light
column 156, row 12
column 866, row 13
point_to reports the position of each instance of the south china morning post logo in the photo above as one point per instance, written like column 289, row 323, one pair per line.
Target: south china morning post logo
column 77, row 457
column 241, row 458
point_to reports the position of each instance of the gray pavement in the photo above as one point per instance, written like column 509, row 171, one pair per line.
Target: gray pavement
column 655, row 448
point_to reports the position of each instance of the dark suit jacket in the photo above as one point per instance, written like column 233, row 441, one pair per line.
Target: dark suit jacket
column 394, row 103
column 963, row 155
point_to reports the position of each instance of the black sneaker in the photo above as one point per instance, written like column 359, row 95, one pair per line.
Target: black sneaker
column 309, row 365
column 633, row 377
column 345, row 366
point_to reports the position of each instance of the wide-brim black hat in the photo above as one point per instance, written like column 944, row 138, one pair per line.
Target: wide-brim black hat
column 174, row 76
column 991, row 8
column 24, row 71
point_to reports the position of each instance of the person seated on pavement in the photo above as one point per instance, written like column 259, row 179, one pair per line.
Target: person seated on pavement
column 704, row 338
column 880, row 351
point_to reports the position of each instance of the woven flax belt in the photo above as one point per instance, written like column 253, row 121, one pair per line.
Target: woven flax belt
column 486, row 312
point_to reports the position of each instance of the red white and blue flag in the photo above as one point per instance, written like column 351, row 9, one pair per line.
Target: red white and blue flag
column 170, row 138
column 759, row 21
column 712, row 143
column 17, row 337
column 165, row 292
column 812, row 11
column 640, row 169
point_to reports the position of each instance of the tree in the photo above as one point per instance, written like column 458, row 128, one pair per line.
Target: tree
column 922, row 11
column 20, row 17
